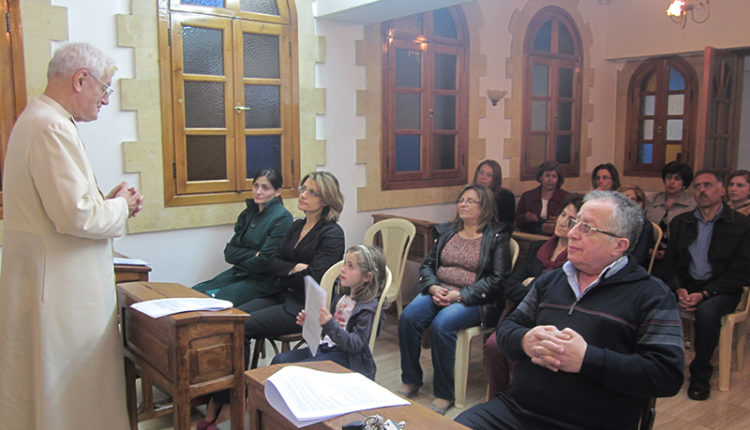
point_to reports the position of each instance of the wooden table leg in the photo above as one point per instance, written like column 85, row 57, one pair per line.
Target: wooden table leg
column 181, row 416
column 130, row 393
column 238, row 406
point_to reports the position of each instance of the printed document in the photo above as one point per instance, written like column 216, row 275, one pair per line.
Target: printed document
column 315, row 298
column 161, row 307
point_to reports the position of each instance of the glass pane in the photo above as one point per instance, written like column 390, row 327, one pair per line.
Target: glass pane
column 206, row 158
column 540, row 80
column 676, row 80
column 565, row 82
column 722, row 122
column 210, row 3
column 537, row 149
column 445, row 112
column 407, row 152
column 562, row 149
column 709, row 157
column 262, row 152
column 713, row 117
column 408, row 68
column 261, row 55
column 445, row 71
column 408, row 110
column 646, row 131
column 542, row 41
column 204, row 104
column 265, row 106
column 202, row 50
column 649, row 82
column 674, row 129
column 565, row 44
column 411, row 23
column 443, row 151
column 443, row 25
column 721, row 152
column 672, row 152
column 645, row 153
column 564, row 115
column 538, row 115
column 267, row 7
column 675, row 104
column 648, row 105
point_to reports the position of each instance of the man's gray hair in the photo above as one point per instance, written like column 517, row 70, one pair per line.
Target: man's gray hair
column 73, row 57
column 627, row 217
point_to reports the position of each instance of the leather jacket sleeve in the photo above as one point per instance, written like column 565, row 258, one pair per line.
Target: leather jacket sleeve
column 495, row 272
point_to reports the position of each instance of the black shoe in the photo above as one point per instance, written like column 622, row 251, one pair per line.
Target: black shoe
column 698, row 390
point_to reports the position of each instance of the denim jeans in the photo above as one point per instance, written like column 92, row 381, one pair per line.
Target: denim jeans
column 325, row 352
column 443, row 323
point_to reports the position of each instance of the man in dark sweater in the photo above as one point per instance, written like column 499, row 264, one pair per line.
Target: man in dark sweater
column 595, row 339
column 707, row 263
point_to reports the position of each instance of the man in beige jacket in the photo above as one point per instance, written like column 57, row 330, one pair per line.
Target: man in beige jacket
column 61, row 362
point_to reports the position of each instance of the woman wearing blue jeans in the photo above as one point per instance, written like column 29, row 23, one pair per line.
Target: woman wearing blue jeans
column 461, row 286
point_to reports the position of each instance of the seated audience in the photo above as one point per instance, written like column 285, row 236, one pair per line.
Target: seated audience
column 738, row 197
column 461, row 283
column 490, row 174
column 707, row 263
column 542, row 256
column 537, row 209
column 604, row 177
column 595, row 339
column 641, row 252
column 347, row 330
column 257, row 233
column 311, row 246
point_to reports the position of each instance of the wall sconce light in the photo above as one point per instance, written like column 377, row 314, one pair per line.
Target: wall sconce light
column 496, row 95
column 699, row 11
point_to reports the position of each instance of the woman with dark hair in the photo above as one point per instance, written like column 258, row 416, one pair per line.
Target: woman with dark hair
column 537, row 209
column 542, row 256
column 738, row 191
column 461, row 284
column 673, row 201
column 311, row 246
column 257, row 233
column 605, row 177
column 490, row 174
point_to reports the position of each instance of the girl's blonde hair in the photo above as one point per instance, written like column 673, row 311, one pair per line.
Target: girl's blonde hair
column 370, row 260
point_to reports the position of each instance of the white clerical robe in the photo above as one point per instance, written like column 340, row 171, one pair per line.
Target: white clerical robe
column 61, row 361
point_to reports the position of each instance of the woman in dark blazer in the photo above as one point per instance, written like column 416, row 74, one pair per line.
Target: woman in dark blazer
column 490, row 174
column 538, row 207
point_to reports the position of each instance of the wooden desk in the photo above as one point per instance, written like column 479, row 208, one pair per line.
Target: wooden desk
column 131, row 273
column 188, row 354
column 264, row 417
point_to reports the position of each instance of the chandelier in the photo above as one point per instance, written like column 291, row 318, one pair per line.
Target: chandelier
column 699, row 11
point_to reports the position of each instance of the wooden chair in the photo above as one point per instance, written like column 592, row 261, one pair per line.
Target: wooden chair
column 737, row 318
column 463, row 346
column 657, row 240
column 396, row 235
column 286, row 340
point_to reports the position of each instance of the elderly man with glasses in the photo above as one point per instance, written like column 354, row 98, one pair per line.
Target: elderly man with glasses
column 595, row 339
column 61, row 365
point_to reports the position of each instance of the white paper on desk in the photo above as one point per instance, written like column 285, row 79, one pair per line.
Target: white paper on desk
column 306, row 396
column 162, row 307
column 130, row 261
column 315, row 298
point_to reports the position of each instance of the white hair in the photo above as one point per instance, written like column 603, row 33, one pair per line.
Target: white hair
column 627, row 217
column 72, row 57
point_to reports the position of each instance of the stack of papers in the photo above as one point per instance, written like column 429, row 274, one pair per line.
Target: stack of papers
column 162, row 307
column 306, row 396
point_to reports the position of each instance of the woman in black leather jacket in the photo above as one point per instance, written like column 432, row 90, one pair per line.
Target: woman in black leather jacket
column 461, row 284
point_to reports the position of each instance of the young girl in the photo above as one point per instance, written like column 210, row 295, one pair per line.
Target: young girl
column 347, row 331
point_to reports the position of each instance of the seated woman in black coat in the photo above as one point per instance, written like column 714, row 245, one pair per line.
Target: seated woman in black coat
column 641, row 252
column 311, row 246
column 490, row 174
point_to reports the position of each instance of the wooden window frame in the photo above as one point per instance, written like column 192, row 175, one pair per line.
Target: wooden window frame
column 12, row 77
column 661, row 65
column 178, row 191
column 554, row 60
column 427, row 176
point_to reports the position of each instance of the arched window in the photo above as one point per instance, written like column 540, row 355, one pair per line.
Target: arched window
column 229, row 73
column 552, row 93
column 425, row 100
column 661, row 115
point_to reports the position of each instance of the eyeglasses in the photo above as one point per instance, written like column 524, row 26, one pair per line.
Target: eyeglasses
column 468, row 202
column 585, row 228
column 303, row 189
column 106, row 89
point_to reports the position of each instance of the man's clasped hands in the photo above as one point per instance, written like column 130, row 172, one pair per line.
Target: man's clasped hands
column 555, row 349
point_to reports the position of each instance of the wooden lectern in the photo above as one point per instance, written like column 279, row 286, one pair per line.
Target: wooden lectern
column 189, row 354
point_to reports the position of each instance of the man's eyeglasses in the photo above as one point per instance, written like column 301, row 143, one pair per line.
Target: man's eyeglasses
column 106, row 89
column 303, row 189
column 585, row 228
